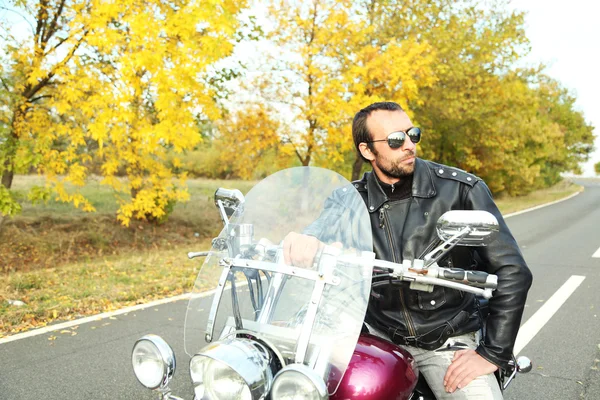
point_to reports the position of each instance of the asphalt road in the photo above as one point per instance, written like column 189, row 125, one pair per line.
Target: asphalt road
column 92, row 360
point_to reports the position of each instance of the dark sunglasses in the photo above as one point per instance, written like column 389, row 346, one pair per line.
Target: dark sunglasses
column 396, row 139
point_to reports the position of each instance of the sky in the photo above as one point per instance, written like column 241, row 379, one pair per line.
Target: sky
column 565, row 35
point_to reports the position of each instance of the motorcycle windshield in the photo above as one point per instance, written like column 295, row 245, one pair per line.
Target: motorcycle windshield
column 313, row 314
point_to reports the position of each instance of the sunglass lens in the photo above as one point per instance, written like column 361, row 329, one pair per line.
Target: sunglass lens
column 414, row 134
column 396, row 140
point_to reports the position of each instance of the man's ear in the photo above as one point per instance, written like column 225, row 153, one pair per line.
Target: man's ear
column 366, row 151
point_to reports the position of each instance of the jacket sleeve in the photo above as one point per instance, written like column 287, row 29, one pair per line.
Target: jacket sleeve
column 503, row 258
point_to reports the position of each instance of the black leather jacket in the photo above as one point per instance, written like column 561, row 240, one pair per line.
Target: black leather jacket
column 406, row 230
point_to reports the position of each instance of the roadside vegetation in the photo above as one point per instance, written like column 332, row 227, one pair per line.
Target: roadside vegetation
column 117, row 119
column 65, row 264
column 508, row 204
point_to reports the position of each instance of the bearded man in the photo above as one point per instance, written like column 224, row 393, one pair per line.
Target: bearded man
column 405, row 196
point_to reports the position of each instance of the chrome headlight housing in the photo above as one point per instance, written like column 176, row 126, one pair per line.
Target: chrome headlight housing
column 298, row 381
column 232, row 369
column 153, row 362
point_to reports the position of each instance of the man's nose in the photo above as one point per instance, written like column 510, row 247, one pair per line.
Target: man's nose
column 408, row 144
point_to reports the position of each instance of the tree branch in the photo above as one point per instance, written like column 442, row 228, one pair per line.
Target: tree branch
column 57, row 45
column 40, row 20
column 4, row 84
column 45, row 96
column 33, row 90
column 53, row 24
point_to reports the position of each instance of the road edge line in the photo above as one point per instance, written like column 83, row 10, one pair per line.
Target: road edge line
column 541, row 205
column 93, row 318
column 537, row 321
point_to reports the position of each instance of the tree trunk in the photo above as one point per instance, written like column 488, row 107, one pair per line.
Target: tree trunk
column 357, row 167
column 8, row 175
column 10, row 152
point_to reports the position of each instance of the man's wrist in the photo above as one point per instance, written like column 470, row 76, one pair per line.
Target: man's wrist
column 486, row 355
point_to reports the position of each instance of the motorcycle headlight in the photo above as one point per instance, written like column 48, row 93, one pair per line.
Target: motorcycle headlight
column 232, row 369
column 153, row 362
column 297, row 381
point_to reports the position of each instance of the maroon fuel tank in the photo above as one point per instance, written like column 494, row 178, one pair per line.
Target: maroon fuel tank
column 378, row 370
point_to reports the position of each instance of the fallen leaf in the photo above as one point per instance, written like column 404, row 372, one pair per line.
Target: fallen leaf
column 65, row 331
column 52, row 338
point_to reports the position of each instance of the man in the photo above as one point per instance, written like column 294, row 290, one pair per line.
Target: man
column 405, row 196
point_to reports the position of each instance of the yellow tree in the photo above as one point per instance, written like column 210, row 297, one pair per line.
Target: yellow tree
column 39, row 46
column 511, row 127
column 328, row 66
column 126, row 80
column 248, row 138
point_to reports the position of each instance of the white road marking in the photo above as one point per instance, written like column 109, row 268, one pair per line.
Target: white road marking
column 596, row 254
column 540, row 206
column 543, row 315
column 98, row 317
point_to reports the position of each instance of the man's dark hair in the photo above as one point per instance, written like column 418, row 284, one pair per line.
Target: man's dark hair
column 360, row 132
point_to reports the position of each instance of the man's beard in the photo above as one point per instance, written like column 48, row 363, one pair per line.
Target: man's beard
column 395, row 169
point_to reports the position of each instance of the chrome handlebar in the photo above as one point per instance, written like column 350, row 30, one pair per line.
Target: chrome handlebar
column 421, row 278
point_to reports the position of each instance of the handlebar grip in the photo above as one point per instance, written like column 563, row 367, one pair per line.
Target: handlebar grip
column 478, row 278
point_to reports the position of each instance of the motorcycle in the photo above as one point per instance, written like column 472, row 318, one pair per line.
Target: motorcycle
column 257, row 328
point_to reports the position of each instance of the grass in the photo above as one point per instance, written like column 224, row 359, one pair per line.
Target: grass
column 105, row 199
column 559, row 191
column 64, row 263
column 51, row 234
column 86, row 288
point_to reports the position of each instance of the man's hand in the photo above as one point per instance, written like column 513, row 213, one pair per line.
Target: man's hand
column 466, row 366
column 300, row 250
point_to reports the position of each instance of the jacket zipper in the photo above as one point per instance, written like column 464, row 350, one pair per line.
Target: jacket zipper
column 386, row 226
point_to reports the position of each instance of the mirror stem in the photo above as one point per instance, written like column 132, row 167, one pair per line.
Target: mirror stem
column 223, row 213
column 437, row 253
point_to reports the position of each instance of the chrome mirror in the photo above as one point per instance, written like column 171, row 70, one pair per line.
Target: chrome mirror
column 482, row 225
column 524, row 364
column 230, row 198
column 227, row 201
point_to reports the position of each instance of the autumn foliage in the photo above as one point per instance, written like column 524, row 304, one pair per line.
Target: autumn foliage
column 117, row 83
column 126, row 90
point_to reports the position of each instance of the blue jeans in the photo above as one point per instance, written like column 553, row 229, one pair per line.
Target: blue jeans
column 433, row 364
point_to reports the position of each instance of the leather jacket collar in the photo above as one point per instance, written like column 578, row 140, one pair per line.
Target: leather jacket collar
column 423, row 186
